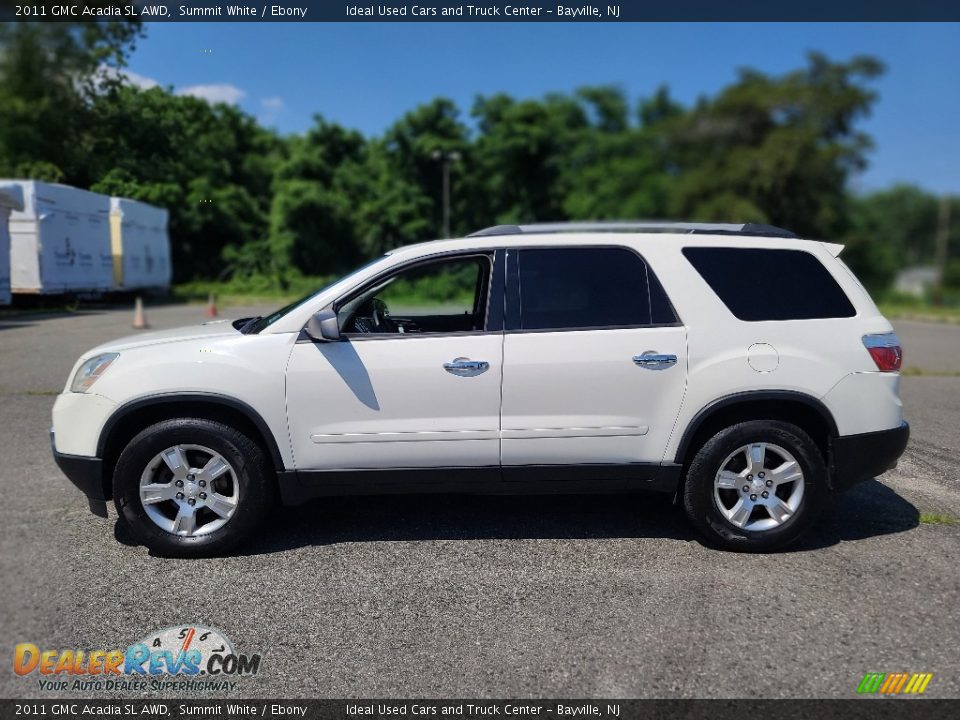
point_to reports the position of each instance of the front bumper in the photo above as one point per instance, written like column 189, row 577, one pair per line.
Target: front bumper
column 859, row 457
column 87, row 474
column 78, row 419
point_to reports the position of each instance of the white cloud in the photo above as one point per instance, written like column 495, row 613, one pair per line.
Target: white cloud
column 128, row 76
column 141, row 81
column 217, row 93
column 270, row 108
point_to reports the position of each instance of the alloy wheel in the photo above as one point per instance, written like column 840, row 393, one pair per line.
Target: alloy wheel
column 189, row 490
column 759, row 487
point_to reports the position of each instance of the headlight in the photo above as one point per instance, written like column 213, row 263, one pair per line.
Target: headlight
column 91, row 370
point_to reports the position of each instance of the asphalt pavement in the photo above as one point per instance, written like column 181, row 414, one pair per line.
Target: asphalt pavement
column 495, row 597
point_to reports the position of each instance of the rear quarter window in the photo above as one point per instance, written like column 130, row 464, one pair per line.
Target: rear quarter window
column 759, row 284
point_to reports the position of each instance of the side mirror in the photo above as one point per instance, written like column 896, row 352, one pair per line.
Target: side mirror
column 324, row 326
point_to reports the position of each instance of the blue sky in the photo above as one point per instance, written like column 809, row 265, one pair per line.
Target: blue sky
column 366, row 75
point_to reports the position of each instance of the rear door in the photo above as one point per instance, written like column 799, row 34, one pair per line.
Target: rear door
column 594, row 361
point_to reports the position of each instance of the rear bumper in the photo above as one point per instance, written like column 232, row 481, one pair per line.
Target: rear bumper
column 87, row 474
column 859, row 457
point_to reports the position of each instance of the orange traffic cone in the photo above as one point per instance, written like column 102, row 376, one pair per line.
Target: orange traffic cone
column 139, row 317
column 211, row 306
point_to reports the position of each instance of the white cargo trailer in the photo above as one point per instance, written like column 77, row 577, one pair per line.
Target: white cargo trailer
column 60, row 241
column 140, row 245
column 11, row 198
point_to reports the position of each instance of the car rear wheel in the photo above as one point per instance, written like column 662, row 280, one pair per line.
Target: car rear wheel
column 755, row 486
column 192, row 487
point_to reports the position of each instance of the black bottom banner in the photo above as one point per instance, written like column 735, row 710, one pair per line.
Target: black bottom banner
column 872, row 709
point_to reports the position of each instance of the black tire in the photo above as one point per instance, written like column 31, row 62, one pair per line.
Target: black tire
column 698, row 492
column 250, row 467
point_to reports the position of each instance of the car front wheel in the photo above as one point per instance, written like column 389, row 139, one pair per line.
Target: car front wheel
column 755, row 486
column 191, row 487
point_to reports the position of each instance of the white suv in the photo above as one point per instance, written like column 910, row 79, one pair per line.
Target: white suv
column 740, row 368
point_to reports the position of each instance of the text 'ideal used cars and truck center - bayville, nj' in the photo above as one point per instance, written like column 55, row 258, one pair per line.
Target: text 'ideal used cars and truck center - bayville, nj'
column 484, row 11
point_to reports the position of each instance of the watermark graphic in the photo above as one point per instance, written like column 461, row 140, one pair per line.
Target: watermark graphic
column 894, row 683
column 183, row 652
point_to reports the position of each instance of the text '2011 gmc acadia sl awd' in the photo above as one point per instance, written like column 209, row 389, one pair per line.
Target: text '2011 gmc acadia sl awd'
column 738, row 367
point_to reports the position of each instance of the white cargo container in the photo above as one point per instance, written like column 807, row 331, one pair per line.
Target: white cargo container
column 11, row 198
column 140, row 245
column 60, row 241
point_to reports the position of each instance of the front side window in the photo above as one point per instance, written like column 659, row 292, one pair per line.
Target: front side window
column 437, row 297
column 587, row 288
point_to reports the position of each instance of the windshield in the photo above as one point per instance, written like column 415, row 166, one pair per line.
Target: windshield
column 257, row 324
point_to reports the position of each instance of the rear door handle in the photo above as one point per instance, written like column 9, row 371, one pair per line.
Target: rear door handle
column 655, row 361
column 465, row 367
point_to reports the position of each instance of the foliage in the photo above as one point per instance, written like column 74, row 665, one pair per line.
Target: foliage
column 261, row 287
column 452, row 284
column 49, row 72
column 951, row 275
column 775, row 150
column 253, row 209
column 904, row 218
column 874, row 263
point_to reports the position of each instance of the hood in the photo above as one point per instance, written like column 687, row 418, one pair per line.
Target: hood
column 213, row 328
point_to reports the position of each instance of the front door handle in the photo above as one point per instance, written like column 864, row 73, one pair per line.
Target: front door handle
column 655, row 361
column 465, row 367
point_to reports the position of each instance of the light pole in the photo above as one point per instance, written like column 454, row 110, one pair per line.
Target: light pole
column 446, row 158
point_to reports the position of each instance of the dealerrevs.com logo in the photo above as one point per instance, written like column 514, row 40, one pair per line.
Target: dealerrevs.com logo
column 183, row 657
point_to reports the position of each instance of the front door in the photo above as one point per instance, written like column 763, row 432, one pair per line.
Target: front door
column 416, row 381
column 594, row 360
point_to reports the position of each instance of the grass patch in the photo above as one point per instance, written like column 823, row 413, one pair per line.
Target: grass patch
column 54, row 308
column 926, row 312
column 453, row 287
column 937, row 519
column 920, row 372
column 41, row 393
column 239, row 299
column 250, row 291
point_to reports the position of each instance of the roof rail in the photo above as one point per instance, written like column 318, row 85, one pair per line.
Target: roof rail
column 754, row 229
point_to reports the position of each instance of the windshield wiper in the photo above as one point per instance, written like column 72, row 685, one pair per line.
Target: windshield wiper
column 244, row 324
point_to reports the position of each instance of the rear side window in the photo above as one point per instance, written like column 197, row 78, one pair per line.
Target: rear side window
column 567, row 288
column 770, row 284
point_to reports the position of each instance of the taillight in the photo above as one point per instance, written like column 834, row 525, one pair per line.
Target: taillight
column 885, row 350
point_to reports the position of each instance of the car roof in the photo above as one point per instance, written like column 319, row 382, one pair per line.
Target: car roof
column 599, row 233
column 640, row 226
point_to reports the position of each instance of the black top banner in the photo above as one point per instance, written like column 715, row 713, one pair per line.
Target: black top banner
column 483, row 11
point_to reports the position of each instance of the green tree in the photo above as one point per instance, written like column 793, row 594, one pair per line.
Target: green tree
column 408, row 150
column 391, row 209
column 615, row 170
column 874, row 263
column 312, row 215
column 522, row 154
column 48, row 74
column 246, row 202
column 775, row 149
column 903, row 218
column 203, row 162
